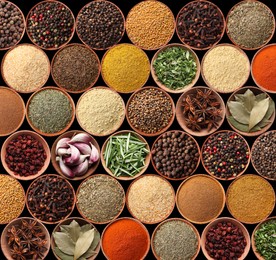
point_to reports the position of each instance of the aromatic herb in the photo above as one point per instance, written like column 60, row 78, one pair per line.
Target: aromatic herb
column 11, row 24
column 175, row 239
column 150, row 110
column 250, row 112
column 150, row 199
column 175, row 67
column 265, row 239
column 250, row 24
column 27, row 240
column 150, row 24
column 202, row 109
column 250, row 198
column 200, row 198
column 175, row 154
column 50, row 110
column 100, row 198
column 225, row 68
column 50, row 24
column 12, row 198
column 263, row 155
column 100, row 24
column 75, row 68
column 200, row 24
column 75, row 242
column 225, row 240
column 125, row 155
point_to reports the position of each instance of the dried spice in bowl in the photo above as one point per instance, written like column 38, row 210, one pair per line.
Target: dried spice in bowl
column 200, row 24
column 100, row 24
column 250, row 198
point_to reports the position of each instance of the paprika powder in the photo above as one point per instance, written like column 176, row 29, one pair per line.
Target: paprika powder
column 125, row 239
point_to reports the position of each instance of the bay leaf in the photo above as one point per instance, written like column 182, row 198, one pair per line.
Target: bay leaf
column 63, row 256
column 73, row 229
column 85, row 228
column 255, row 128
column 64, row 243
column 263, row 123
column 249, row 100
column 83, row 243
column 239, row 112
column 270, row 110
column 96, row 240
column 260, row 97
column 258, row 112
column 88, row 253
column 236, row 124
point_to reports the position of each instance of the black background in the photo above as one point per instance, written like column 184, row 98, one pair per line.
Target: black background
column 125, row 6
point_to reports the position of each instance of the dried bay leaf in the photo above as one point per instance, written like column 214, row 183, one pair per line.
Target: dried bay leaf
column 236, row 124
column 248, row 100
column 260, row 97
column 85, row 228
column 73, row 230
column 63, row 256
column 96, row 241
column 271, row 109
column 258, row 112
column 83, row 243
column 239, row 112
column 64, row 242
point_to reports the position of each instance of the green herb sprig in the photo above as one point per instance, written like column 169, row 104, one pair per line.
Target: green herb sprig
column 175, row 67
column 125, row 155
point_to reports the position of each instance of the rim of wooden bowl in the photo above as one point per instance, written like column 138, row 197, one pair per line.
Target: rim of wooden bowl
column 233, row 221
column 79, row 35
column 196, row 176
column 240, row 46
column 222, row 33
column 180, row 117
column 163, row 129
column 242, row 91
column 30, row 45
column 24, row 110
column 202, row 65
column 64, row 129
column 213, row 175
column 69, row 185
column 55, row 164
column 161, row 85
column 172, row 220
column 50, row 48
column 126, row 218
column 37, row 137
column 227, row 193
column 154, row 165
column 147, row 158
column 103, row 222
column 81, row 222
column 4, row 243
column 82, row 46
column 168, row 40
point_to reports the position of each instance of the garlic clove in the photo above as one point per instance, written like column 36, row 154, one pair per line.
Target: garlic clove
column 81, row 169
column 74, row 157
column 62, row 143
column 63, row 151
column 81, row 138
column 83, row 148
column 65, row 169
column 94, row 156
column 82, row 157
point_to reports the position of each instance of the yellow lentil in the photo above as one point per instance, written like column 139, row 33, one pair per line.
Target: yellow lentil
column 12, row 199
column 125, row 68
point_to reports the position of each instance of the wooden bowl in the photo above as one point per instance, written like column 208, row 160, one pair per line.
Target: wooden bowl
column 160, row 131
column 185, row 182
column 252, row 74
column 23, row 109
column 4, row 243
column 129, row 208
column 147, row 159
column 202, row 65
column 67, row 221
column 85, row 47
column 256, row 91
column 79, row 35
column 206, row 48
column 64, row 129
column 252, row 152
column 233, row 221
column 119, row 219
column 181, row 119
column 171, row 220
column 38, row 138
column 115, row 128
column 30, row 45
column 159, row 172
column 90, row 170
column 24, row 23
column 213, row 175
column 161, row 85
column 91, row 220
column 254, row 248
column 229, row 36
column 72, row 33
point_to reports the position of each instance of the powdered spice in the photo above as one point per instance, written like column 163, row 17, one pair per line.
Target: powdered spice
column 250, row 198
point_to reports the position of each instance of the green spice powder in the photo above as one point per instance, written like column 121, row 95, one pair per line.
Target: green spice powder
column 50, row 110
